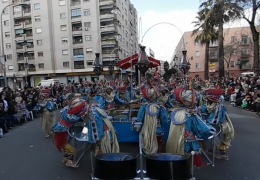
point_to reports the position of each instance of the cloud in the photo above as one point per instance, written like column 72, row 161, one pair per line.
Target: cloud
column 163, row 38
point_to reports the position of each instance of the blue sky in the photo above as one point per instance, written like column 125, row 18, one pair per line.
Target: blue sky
column 165, row 5
column 164, row 38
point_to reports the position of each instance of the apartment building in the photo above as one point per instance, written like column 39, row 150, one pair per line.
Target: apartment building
column 59, row 38
column 238, row 47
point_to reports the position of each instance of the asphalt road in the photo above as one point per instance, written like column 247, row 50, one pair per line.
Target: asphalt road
column 26, row 155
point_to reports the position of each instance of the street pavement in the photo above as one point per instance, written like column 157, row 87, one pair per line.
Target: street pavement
column 26, row 154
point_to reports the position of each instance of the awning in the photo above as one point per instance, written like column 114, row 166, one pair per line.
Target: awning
column 243, row 61
column 77, row 35
column 77, row 22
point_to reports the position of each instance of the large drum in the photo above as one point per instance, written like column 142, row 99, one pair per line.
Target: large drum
column 78, row 139
column 115, row 166
column 120, row 118
column 169, row 166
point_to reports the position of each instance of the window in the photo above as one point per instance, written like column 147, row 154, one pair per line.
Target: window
column 233, row 39
column 64, row 40
column 41, row 65
column 232, row 63
column 7, row 34
column 5, row 11
column 197, row 53
column 244, row 51
column 89, row 63
column 6, row 23
column 63, row 27
column 9, row 56
column 37, row 18
column 86, row 12
column 62, row 2
column 8, row 46
column 244, row 40
column 62, row 15
column 234, row 51
column 66, row 64
column 78, row 52
column 89, row 50
column 10, row 67
column 197, row 65
column 75, row 13
column 88, row 37
column 38, row 30
column 40, row 54
column 197, row 43
column 213, row 43
column 37, row 6
column 65, row 52
column 87, row 24
column 39, row 42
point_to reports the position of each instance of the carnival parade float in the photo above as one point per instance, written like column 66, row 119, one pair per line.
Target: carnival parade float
column 171, row 140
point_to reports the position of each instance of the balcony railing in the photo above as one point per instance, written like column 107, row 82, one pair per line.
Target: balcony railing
column 79, row 67
column 77, row 41
column 245, row 55
column 106, row 2
column 75, row 3
column 20, row 58
column 32, row 69
column 77, row 28
column 31, row 57
column 246, row 66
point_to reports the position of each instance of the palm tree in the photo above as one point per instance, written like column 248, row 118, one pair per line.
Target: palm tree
column 220, row 12
column 204, row 33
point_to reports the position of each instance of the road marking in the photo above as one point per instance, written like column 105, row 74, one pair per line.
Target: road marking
column 231, row 115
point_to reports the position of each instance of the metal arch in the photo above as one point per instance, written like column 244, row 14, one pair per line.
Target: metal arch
column 168, row 24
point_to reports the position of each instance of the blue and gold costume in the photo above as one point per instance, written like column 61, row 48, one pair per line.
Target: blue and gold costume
column 216, row 113
column 152, row 117
column 101, row 131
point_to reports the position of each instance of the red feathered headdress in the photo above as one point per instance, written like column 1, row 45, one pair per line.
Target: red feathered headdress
column 177, row 93
column 214, row 94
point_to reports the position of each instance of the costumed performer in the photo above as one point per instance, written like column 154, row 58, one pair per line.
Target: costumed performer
column 152, row 117
column 185, row 126
column 164, row 98
column 101, row 130
column 47, row 109
column 216, row 113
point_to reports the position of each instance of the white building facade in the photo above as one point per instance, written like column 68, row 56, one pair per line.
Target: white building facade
column 59, row 38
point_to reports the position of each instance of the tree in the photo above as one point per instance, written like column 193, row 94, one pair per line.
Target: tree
column 204, row 33
column 234, row 48
column 220, row 12
column 252, row 6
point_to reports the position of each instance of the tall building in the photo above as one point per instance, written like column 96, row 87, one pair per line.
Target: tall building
column 238, row 53
column 59, row 38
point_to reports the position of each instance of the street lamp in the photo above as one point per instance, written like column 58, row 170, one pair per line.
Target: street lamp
column 166, row 66
column 185, row 65
column 2, row 37
column 143, row 63
column 111, row 68
column 175, row 58
column 98, row 68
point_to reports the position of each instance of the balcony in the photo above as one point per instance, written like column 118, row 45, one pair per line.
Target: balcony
column 20, row 57
column 246, row 66
column 18, row 14
column 113, row 55
column 19, row 37
column 77, row 28
column 106, row 4
column 30, row 48
column 28, row 24
column 245, row 55
column 108, row 30
column 21, row 67
column 18, row 25
column 31, row 57
column 107, row 17
column 20, row 48
column 79, row 65
column 27, row 12
column 75, row 3
column 77, row 40
column 28, row 35
column 111, row 42
column 32, row 69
